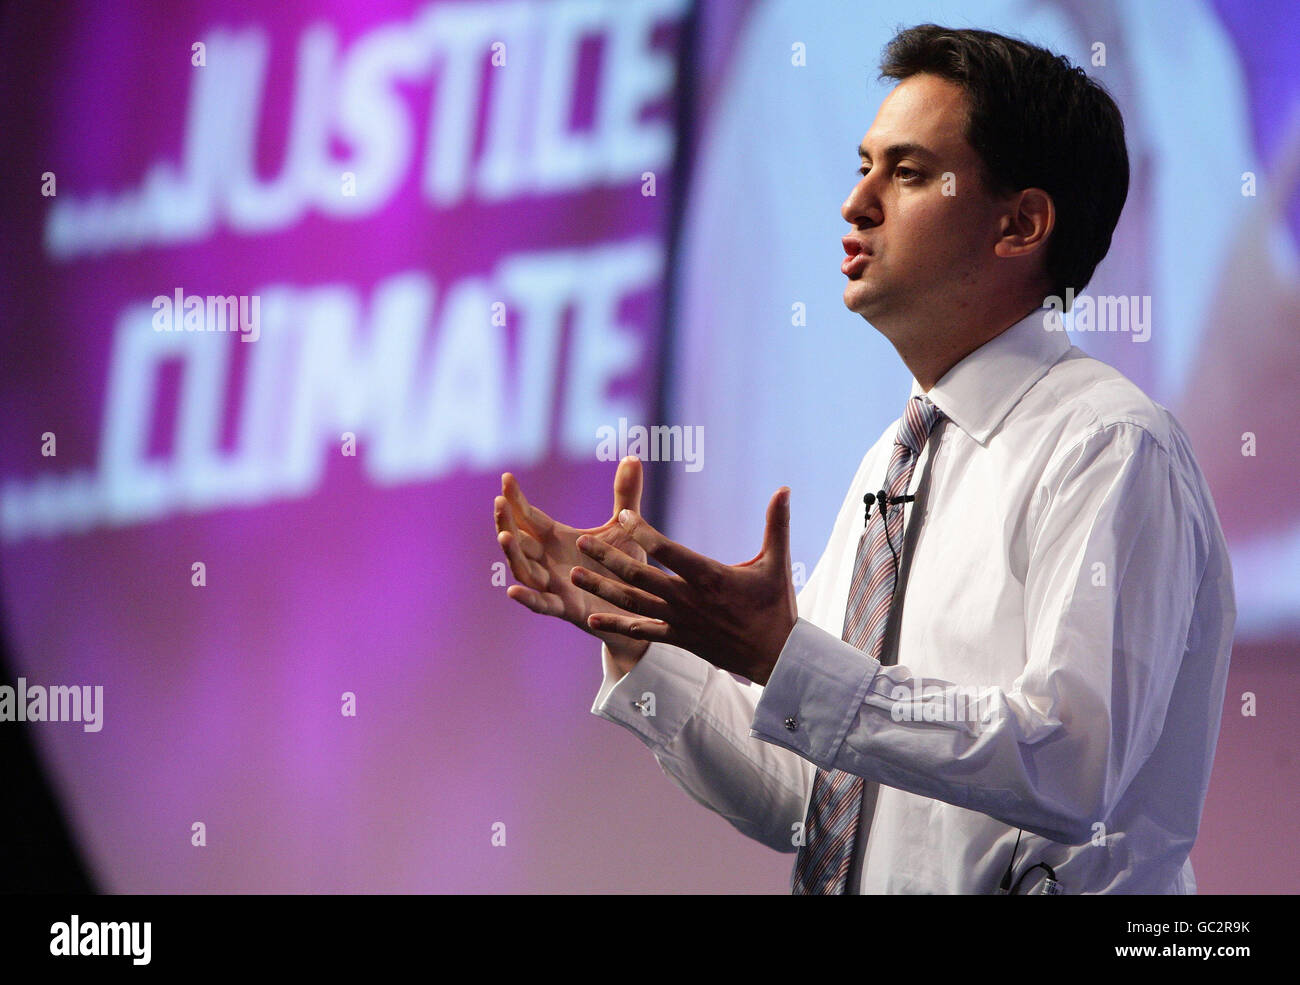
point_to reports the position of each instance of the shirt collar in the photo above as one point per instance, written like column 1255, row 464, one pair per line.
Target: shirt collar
column 979, row 392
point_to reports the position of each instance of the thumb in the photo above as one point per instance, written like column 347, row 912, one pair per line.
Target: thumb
column 776, row 536
column 628, row 481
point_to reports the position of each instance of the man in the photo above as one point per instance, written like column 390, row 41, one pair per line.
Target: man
column 1007, row 676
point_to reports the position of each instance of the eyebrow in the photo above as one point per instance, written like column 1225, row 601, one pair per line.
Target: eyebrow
column 895, row 151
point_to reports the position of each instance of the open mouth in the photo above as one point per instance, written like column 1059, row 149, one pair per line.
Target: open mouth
column 858, row 255
column 854, row 264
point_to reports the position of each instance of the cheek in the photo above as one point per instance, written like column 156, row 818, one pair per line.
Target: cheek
column 943, row 228
column 924, row 231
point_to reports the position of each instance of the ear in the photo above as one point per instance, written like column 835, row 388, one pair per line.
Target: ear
column 1029, row 219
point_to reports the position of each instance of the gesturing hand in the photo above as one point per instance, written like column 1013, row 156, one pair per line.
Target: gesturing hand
column 736, row 616
column 541, row 553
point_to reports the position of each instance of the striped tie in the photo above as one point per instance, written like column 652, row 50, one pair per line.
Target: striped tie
column 830, row 831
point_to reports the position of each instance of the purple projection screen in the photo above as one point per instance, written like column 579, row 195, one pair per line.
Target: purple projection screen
column 286, row 288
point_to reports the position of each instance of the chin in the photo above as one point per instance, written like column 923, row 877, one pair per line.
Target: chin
column 859, row 299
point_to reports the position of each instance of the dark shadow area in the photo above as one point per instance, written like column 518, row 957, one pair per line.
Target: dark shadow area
column 37, row 853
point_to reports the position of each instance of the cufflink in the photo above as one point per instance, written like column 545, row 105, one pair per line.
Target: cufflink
column 792, row 724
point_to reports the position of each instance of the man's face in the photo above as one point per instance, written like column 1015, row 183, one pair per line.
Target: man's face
column 914, row 250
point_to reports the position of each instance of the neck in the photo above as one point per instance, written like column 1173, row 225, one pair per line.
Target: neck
column 929, row 355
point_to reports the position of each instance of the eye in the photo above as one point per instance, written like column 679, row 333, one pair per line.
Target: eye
column 905, row 173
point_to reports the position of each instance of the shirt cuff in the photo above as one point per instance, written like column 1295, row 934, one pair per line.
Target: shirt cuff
column 656, row 697
column 816, row 689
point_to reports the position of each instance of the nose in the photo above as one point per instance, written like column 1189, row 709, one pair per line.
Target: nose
column 862, row 208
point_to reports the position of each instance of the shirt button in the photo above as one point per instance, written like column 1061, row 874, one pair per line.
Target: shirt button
column 792, row 723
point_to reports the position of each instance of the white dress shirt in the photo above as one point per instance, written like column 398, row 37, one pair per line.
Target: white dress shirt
column 1055, row 662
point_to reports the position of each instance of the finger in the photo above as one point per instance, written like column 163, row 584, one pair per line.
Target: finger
column 654, row 630
column 526, row 513
column 628, row 568
column 527, row 572
column 505, row 520
column 628, row 482
column 776, row 535
column 624, row 596
column 543, row 603
column 691, row 566
column 531, row 548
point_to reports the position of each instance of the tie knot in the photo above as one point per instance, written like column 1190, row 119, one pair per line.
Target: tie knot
column 919, row 418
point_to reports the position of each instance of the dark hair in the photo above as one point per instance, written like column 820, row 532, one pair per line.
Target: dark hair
column 1036, row 121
